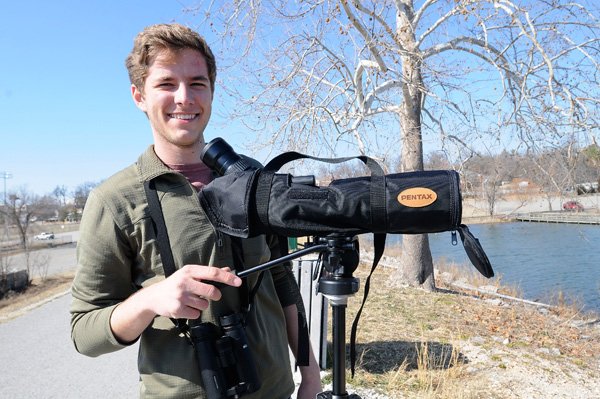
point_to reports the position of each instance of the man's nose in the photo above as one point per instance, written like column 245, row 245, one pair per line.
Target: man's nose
column 183, row 95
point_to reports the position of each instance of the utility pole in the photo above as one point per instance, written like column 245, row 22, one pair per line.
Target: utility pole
column 5, row 176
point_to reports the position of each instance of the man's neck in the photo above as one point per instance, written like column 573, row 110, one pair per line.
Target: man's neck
column 172, row 154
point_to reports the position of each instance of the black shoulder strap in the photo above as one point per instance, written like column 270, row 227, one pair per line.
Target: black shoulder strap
column 377, row 187
column 162, row 240
column 378, row 247
column 303, row 344
column 160, row 229
column 246, row 297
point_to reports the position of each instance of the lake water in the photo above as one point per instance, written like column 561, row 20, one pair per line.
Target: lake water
column 540, row 259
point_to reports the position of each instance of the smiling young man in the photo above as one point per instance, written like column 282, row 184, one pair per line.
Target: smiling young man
column 120, row 293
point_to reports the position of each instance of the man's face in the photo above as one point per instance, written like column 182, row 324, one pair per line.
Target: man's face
column 177, row 98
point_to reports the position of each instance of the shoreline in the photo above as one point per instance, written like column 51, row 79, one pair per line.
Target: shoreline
column 512, row 205
column 486, row 220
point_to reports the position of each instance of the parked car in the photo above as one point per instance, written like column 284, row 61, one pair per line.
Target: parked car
column 573, row 206
column 44, row 236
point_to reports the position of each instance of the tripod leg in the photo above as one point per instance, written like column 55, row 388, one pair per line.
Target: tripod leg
column 339, row 355
column 339, row 350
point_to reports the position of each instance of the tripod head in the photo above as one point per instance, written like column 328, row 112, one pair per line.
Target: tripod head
column 338, row 261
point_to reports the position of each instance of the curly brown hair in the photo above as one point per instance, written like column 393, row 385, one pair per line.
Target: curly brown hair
column 156, row 38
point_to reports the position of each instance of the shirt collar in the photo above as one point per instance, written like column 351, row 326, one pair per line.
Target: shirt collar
column 150, row 166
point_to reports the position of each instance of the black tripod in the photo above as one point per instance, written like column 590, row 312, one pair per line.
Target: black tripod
column 339, row 259
column 337, row 284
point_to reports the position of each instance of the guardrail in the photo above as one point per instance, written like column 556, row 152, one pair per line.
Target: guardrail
column 14, row 245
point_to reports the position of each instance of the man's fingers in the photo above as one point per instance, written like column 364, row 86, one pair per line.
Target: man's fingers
column 190, row 313
column 206, row 289
column 198, row 302
column 204, row 281
column 206, row 273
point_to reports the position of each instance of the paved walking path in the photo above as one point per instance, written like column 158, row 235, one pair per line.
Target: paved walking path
column 38, row 360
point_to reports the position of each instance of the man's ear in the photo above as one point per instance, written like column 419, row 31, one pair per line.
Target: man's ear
column 138, row 98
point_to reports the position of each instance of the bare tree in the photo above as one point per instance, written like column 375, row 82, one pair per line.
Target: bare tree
column 488, row 173
column 22, row 208
column 5, row 265
column 592, row 157
column 590, row 163
column 554, row 171
column 60, row 192
column 437, row 160
column 81, row 194
column 393, row 75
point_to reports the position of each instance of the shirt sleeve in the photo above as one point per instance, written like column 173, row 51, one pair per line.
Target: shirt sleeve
column 102, row 281
column 286, row 285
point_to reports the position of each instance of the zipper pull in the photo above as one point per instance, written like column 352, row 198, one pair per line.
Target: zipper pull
column 454, row 239
column 219, row 240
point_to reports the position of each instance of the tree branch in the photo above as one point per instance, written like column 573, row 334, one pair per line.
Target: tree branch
column 366, row 36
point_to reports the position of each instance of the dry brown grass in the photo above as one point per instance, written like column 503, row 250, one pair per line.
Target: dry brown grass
column 411, row 343
column 40, row 290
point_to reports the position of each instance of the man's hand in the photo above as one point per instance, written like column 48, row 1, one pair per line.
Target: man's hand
column 186, row 293
column 183, row 295
column 310, row 384
column 309, row 387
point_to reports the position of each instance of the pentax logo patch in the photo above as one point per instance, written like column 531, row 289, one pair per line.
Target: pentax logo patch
column 417, row 197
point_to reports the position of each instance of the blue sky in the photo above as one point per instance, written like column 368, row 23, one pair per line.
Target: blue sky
column 66, row 115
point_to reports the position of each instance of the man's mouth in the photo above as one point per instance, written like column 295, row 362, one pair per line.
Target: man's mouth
column 185, row 117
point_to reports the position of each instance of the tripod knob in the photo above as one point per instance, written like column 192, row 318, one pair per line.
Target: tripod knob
column 344, row 286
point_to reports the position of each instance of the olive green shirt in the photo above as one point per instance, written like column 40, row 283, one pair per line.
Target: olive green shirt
column 117, row 255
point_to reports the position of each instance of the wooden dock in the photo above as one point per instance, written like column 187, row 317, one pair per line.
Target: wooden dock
column 559, row 217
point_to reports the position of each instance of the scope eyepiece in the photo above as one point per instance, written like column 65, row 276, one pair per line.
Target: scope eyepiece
column 220, row 157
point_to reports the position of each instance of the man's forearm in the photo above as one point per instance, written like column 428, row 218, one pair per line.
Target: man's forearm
column 131, row 317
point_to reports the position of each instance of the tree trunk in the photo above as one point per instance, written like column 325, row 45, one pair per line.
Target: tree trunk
column 416, row 264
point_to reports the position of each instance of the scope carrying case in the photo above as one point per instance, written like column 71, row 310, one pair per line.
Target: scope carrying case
column 259, row 201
